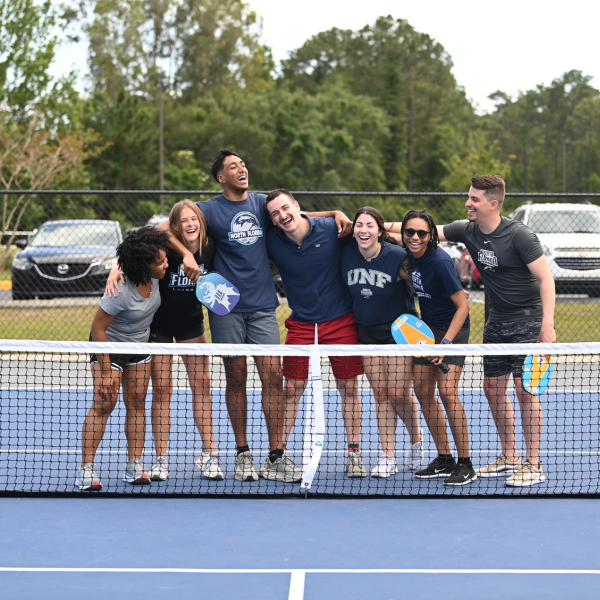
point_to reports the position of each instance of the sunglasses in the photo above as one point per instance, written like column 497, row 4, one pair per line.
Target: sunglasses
column 420, row 232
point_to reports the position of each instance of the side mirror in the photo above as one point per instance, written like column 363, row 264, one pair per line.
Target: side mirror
column 21, row 243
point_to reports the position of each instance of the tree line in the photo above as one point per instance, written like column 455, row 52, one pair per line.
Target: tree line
column 373, row 109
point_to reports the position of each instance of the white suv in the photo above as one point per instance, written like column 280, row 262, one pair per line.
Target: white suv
column 570, row 236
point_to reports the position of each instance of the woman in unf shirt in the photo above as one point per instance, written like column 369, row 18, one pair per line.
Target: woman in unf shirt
column 371, row 268
column 180, row 317
column 445, row 309
column 124, row 318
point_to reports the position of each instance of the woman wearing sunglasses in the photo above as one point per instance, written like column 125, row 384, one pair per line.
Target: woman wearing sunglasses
column 445, row 309
column 371, row 268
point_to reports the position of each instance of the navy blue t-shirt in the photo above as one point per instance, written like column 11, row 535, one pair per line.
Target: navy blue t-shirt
column 239, row 230
column 435, row 280
column 378, row 296
column 311, row 272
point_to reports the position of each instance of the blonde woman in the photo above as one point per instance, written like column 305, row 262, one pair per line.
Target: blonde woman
column 180, row 318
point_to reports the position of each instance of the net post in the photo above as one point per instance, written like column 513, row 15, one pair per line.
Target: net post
column 314, row 424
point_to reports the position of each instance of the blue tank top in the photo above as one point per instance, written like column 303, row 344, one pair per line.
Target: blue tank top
column 377, row 294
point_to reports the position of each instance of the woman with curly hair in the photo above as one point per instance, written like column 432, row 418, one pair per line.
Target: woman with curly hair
column 142, row 256
column 371, row 268
column 180, row 318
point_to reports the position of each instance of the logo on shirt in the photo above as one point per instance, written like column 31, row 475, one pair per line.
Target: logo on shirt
column 488, row 258
column 245, row 228
column 366, row 293
column 370, row 277
column 179, row 279
column 418, row 284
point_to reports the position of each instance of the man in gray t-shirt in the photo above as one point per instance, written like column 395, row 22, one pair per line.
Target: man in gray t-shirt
column 520, row 288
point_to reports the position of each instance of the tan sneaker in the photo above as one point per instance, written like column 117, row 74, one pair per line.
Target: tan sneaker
column 527, row 475
column 499, row 466
column 354, row 465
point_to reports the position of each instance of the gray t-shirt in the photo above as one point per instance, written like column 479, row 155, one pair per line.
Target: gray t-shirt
column 502, row 258
column 133, row 313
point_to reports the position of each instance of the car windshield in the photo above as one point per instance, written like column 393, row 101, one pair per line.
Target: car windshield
column 565, row 221
column 87, row 235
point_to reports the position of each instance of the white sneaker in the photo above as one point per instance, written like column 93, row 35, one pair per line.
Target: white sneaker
column 208, row 463
column 159, row 470
column 385, row 467
column 414, row 456
column 244, row 467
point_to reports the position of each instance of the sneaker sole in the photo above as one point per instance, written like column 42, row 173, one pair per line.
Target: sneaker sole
column 214, row 478
column 284, row 480
column 356, row 476
column 159, row 477
column 143, row 480
column 470, row 480
column 541, row 479
column 436, row 476
column 95, row 487
column 508, row 471
column 247, row 478
column 382, row 475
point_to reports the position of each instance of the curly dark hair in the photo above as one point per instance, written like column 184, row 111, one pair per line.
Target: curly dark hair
column 422, row 214
column 383, row 236
column 138, row 250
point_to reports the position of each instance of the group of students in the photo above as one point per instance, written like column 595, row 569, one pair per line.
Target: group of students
column 346, row 282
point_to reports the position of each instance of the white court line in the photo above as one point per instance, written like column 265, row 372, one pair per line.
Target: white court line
column 292, row 571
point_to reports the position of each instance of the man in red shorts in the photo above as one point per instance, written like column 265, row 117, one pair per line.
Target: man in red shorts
column 307, row 252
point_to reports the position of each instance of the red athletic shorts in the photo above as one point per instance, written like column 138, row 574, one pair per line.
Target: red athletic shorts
column 337, row 331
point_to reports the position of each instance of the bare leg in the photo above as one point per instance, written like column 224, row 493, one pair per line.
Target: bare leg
column 425, row 379
column 351, row 408
column 135, row 382
column 293, row 390
column 236, row 374
column 97, row 417
column 271, row 376
column 399, row 378
column 448, row 386
column 199, row 378
column 162, row 390
column 532, row 417
column 503, row 413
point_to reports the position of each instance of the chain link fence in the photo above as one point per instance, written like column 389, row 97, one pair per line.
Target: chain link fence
column 57, row 248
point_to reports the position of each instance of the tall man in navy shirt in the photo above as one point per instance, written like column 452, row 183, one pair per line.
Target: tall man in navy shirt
column 238, row 222
column 307, row 252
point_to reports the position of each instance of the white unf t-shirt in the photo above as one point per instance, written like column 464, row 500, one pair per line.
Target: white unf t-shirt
column 133, row 313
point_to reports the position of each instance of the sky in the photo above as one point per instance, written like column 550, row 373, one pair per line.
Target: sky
column 510, row 45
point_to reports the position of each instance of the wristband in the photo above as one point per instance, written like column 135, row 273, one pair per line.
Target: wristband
column 446, row 341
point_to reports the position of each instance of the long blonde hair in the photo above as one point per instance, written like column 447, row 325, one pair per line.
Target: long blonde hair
column 175, row 221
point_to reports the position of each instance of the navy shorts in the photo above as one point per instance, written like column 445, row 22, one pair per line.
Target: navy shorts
column 160, row 337
column 439, row 333
column 523, row 331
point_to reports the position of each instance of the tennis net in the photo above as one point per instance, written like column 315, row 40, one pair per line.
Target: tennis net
column 47, row 395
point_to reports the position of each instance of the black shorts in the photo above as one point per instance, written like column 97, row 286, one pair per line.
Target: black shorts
column 118, row 361
column 439, row 333
column 375, row 334
column 523, row 331
column 160, row 337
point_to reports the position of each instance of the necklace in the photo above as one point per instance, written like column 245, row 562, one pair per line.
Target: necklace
column 374, row 254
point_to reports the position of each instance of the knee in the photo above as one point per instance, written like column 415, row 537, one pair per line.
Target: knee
column 102, row 408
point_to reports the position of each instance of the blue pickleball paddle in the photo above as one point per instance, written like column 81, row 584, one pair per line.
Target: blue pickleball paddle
column 217, row 293
column 408, row 329
column 537, row 371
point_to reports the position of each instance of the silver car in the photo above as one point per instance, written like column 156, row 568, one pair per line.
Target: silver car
column 570, row 236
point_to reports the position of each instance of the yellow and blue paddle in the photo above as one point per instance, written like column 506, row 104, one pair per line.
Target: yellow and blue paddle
column 408, row 329
column 537, row 371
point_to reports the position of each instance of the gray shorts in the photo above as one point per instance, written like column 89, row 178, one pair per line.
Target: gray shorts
column 258, row 327
column 523, row 331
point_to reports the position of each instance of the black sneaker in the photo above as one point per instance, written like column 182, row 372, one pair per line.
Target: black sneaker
column 439, row 467
column 461, row 475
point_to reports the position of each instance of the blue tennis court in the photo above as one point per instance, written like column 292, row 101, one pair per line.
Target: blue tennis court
column 379, row 549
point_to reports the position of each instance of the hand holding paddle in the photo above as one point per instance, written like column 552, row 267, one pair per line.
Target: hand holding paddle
column 407, row 329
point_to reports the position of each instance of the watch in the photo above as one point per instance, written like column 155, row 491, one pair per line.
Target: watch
column 446, row 341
